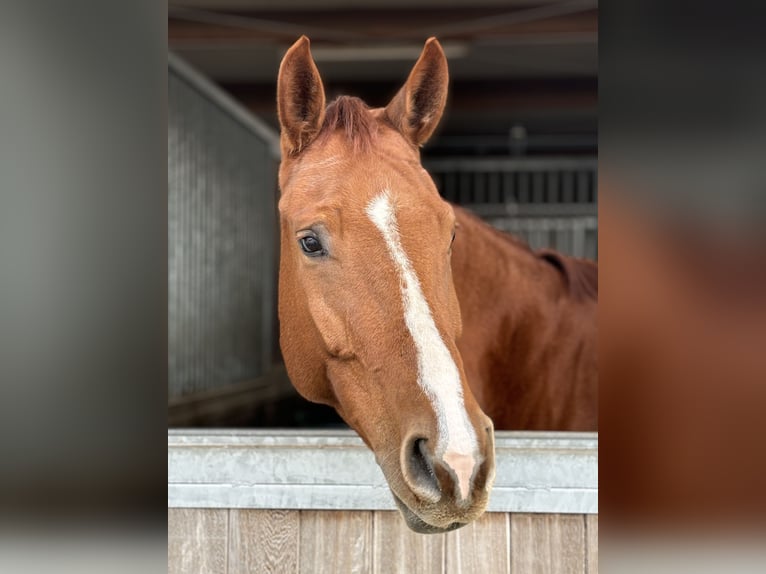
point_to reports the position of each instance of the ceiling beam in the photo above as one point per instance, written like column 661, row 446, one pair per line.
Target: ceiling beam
column 366, row 26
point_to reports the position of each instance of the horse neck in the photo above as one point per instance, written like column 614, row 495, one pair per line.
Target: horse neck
column 489, row 263
column 511, row 301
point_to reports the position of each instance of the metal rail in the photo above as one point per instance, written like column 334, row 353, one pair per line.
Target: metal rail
column 333, row 470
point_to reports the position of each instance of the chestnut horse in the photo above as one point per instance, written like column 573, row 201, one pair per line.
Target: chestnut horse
column 410, row 338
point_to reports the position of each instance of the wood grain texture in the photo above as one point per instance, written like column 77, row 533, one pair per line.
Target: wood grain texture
column 399, row 550
column 263, row 541
column 547, row 543
column 197, row 540
column 317, row 542
column 591, row 542
column 335, row 541
column 482, row 546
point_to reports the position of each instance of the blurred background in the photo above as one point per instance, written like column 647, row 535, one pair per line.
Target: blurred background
column 517, row 145
column 83, row 262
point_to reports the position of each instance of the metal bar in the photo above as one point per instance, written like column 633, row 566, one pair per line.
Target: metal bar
column 513, row 164
column 225, row 102
column 260, row 25
column 489, row 210
column 536, row 471
column 517, row 16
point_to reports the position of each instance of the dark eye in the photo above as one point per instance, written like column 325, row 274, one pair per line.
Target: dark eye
column 311, row 246
column 453, row 240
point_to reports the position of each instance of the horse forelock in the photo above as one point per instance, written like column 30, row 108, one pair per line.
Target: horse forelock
column 353, row 116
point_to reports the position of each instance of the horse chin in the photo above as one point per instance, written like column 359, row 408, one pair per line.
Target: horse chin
column 420, row 526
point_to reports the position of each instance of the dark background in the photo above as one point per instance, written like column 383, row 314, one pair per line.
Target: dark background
column 526, row 63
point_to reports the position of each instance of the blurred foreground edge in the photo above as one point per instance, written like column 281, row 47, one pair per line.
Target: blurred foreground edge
column 683, row 370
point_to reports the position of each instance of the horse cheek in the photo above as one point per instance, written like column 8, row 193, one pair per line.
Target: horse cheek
column 331, row 327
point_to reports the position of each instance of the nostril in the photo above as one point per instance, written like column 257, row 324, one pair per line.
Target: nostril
column 420, row 471
column 421, row 464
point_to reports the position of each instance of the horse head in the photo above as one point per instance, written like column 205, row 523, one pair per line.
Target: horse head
column 369, row 317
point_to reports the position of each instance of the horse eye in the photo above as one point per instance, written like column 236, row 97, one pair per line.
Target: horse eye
column 311, row 246
column 453, row 240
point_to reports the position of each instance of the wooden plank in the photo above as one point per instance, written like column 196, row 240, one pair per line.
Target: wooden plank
column 263, row 541
column 591, row 543
column 197, row 540
column 335, row 541
column 547, row 543
column 397, row 549
column 482, row 546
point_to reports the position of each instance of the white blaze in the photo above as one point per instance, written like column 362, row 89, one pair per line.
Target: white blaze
column 438, row 375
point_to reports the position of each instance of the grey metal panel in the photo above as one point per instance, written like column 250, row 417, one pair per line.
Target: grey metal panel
column 221, row 234
column 334, row 470
column 549, row 202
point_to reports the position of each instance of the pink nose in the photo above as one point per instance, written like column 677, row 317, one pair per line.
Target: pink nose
column 462, row 466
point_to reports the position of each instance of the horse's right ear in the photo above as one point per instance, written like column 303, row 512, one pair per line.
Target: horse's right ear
column 300, row 98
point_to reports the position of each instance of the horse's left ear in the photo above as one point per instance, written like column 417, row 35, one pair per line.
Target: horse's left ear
column 417, row 108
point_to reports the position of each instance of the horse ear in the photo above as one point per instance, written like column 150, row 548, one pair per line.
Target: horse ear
column 417, row 108
column 300, row 98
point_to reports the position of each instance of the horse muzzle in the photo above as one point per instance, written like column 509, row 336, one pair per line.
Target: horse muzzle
column 439, row 493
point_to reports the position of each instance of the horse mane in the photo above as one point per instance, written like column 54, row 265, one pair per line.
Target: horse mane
column 351, row 115
column 580, row 275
